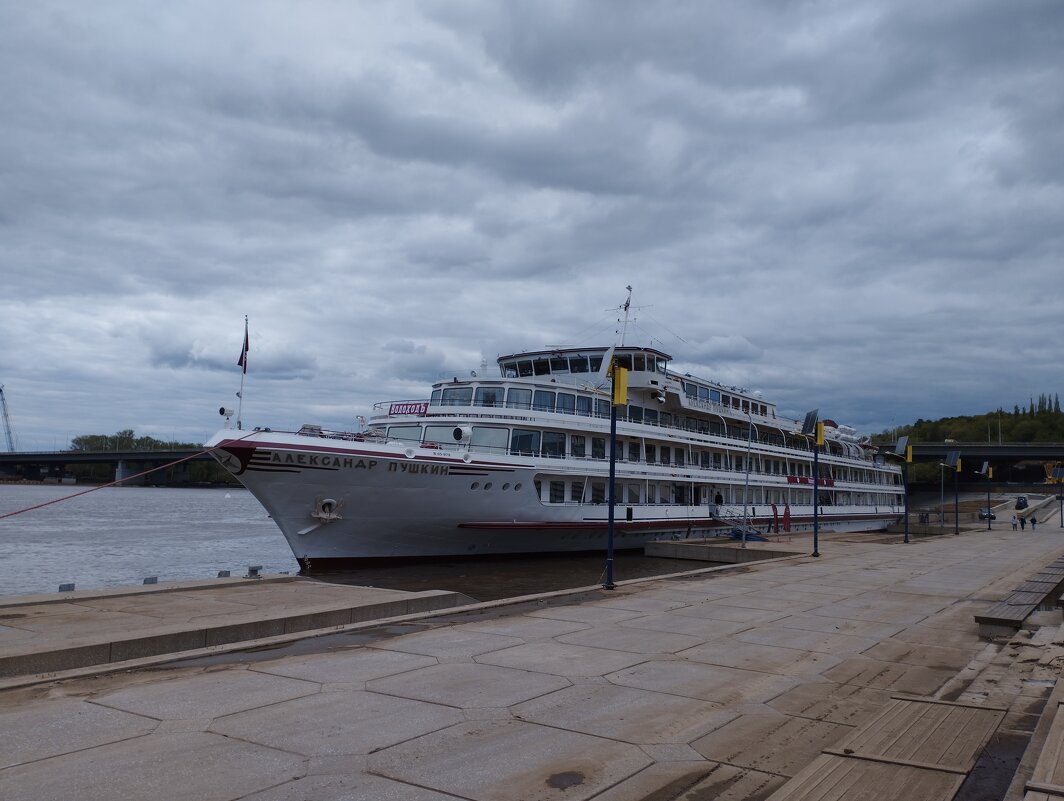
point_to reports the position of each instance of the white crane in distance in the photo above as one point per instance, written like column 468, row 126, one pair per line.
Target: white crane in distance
column 7, row 421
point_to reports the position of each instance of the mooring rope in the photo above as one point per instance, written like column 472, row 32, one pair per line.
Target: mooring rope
column 116, row 482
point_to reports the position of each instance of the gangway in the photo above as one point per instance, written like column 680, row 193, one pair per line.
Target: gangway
column 7, row 421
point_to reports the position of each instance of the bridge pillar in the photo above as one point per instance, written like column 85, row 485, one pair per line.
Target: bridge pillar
column 124, row 469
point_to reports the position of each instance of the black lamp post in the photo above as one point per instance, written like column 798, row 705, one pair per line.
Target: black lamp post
column 953, row 459
column 619, row 396
column 903, row 450
column 816, row 430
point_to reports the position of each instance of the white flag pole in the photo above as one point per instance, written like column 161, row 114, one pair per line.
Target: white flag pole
column 244, row 369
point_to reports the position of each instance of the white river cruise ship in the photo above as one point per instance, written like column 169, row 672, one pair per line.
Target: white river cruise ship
column 519, row 463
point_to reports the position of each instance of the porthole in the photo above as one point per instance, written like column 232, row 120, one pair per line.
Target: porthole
column 506, row 486
column 517, row 487
column 475, row 485
column 487, row 485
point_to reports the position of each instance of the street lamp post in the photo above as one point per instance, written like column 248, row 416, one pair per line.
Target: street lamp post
column 813, row 428
column 746, row 485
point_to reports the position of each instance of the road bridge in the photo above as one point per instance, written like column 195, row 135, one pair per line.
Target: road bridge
column 38, row 465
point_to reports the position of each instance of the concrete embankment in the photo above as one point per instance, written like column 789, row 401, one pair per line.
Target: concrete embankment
column 763, row 679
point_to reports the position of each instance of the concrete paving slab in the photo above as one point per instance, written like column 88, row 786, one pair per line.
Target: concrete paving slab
column 587, row 614
column 847, row 704
column 865, row 672
column 765, row 658
column 541, row 763
column 632, row 640
column 469, row 686
column 630, row 715
column 804, row 640
column 814, row 621
column 527, row 628
column 348, row 787
column 335, row 723
column 49, row 728
column 733, row 610
column 909, row 653
column 770, row 741
column 177, row 767
column 722, row 685
column 349, row 666
column 227, row 692
column 701, row 627
column 562, row 659
column 449, row 643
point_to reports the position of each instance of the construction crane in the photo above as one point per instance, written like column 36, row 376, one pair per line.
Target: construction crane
column 7, row 421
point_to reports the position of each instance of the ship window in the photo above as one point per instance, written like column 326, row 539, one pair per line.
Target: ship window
column 633, row 451
column 566, row 403
column 524, row 368
column 583, row 405
column 524, row 442
column 666, row 419
column 518, row 398
column 405, row 433
column 639, row 362
column 509, row 370
column 554, row 444
column 650, row 416
column 598, row 448
column 596, row 363
column 578, row 364
column 661, row 365
column 633, row 493
column 485, row 438
column 434, row 399
column 577, row 491
column 559, row 365
column 602, row 407
column 624, row 361
column 707, row 459
column 457, row 396
column 439, row 434
column 714, row 395
column 691, row 389
column 651, row 453
column 703, row 393
column 543, row 401
column 541, row 367
column 557, row 492
column 680, row 458
column 579, row 445
column 488, row 396
column 666, row 454
column 635, row 414
column 598, row 492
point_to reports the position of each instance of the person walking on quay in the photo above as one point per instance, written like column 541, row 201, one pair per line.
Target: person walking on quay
column 1033, row 521
column 1023, row 524
column 1014, row 522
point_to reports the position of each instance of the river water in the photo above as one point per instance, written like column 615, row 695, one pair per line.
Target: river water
column 118, row 536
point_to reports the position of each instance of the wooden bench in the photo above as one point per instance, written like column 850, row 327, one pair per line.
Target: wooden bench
column 1007, row 616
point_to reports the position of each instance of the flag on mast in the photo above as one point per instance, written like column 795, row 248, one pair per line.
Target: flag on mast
column 243, row 360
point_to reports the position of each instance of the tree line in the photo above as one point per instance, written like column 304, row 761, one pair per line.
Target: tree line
column 194, row 472
column 1039, row 421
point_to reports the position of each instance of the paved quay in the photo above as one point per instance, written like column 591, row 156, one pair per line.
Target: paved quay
column 730, row 683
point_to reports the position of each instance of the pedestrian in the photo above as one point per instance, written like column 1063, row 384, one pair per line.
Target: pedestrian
column 1014, row 522
column 1033, row 521
column 1023, row 524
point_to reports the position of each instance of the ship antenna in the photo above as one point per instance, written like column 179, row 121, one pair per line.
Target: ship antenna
column 625, row 307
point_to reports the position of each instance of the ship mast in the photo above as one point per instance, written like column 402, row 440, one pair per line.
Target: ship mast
column 7, row 421
column 625, row 307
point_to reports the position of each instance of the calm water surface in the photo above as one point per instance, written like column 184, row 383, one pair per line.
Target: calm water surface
column 119, row 535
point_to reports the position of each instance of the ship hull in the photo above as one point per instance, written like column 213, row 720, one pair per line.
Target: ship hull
column 341, row 503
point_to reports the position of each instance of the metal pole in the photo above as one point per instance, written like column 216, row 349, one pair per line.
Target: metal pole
column 816, row 500
column 988, row 509
column 746, row 486
column 609, row 585
column 941, row 496
column 956, row 502
column 905, row 480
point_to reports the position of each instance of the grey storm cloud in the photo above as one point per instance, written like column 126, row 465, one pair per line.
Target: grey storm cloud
column 851, row 206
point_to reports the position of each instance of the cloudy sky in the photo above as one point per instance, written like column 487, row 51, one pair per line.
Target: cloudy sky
column 854, row 205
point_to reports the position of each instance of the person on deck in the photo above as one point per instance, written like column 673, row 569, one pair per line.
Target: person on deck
column 1014, row 522
column 1033, row 521
column 1023, row 524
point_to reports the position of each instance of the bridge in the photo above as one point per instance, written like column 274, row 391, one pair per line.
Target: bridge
column 45, row 465
column 1000, row 452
